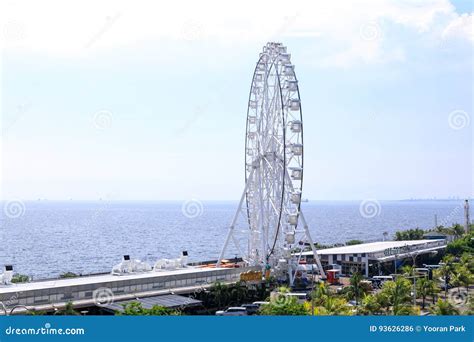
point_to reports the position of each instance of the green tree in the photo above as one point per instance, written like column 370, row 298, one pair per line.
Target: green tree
column 355, row 290
column 220, row 294
column 458, row 230
column 20, row 278
column 467, row 260
column 464, row 276
column 354, row 242
column 446, row 271
column 425, row 288
column 238, row 293
column 333, row 306
column 68, row 275
column 68, row 310
column 283, row 305
column 320, row 293
column 444, row 308
column 465, row 244
column 397, row 294
column 407, row 270
column 406, row 310
column 410, row 234
column 470, row 306
column 371, row 305
column 136, row 309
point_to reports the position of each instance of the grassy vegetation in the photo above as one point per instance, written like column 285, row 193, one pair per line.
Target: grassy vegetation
column 68, row 275
column 354, row 242
column 410, row 234
column 136, row 309
column 20, row 278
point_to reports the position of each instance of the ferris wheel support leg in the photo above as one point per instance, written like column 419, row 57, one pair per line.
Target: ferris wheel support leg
column 262, row 227
column 230, row 234
column 313, row 247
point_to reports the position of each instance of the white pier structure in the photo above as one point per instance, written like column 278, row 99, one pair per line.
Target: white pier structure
column 99, row 290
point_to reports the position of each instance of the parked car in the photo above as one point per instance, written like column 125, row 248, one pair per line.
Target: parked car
column 233, row 311
column 378, row 281
column 260, row 303
column 251, row 308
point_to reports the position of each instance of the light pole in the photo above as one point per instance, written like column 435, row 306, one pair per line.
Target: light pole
column 19, row 306
column 414, row 255
column 4, row 308
column 414, row 276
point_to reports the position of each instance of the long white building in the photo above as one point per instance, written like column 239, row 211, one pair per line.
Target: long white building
column 370, row 257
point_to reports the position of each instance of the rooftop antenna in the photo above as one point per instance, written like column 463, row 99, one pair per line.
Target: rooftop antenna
column 466, row 214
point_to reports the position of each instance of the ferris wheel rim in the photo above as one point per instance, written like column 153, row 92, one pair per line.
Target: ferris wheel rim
column 283, row 113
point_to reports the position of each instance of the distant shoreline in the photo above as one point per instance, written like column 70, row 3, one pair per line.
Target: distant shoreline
column 224, row 201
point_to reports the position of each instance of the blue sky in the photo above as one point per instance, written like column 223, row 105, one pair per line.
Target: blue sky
column 386, row 86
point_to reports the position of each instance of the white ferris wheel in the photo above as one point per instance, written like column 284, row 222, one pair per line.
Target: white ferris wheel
column 276, row 229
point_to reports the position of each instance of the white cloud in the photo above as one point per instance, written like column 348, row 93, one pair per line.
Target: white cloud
column 460, row 28
column 73, row 29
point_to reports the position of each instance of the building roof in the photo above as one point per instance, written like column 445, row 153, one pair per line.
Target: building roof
column 371, row 247
column 97, row 279
column 168, row 301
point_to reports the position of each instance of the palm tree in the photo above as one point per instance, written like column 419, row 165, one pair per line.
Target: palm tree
column 467, row 260
column 68, row 310
column 424, row 288
column 220, row 294
column 444, row 308
column 238, row 293
column 447, row 270
column 319, row 294
column 397, row 292
column 406, row 310
column 464, row 276
column 408, row 270
column 371, row 305
column 355, row 289
column 333, row 306
column 458, row 230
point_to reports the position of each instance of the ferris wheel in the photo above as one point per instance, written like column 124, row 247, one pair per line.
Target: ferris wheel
column 277, row 232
